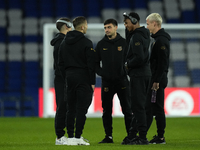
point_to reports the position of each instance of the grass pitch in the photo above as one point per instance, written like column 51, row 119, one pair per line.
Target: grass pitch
column 38, row 134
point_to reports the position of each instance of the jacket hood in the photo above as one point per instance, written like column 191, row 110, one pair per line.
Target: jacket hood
column 73, row 36
column 142, row 31
column 57, row 37
column 161, row 32
column 118, row 37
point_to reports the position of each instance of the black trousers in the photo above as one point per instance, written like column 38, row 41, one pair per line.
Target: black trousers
column 139, row 88
column 157, row 109
column 79, row 98
column 108, row 89
column 61, row 110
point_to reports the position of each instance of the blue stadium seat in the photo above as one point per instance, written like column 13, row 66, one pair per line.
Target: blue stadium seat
column 15, row 38
column 195, row 74
column 14, row 85
column 29, row 65
column 30, row 101
column 123, row 4
column 31, row 38
column 98, row 82
column 77, row 10
column 188, row 16
column 180, row 68
column 173, row 20
column 3, row 4
column 93, row 8
column 3, row 35
column 108, row 4
column 46, row 8
column 10, row 102
column 62, row 8
column 139, row 4
column 31, row 8
column 2, row 80
column 12, row 4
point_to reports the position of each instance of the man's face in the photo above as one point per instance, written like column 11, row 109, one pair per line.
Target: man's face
column 128, row 24
column 85, row 27
column 110, row 30
column 150, row 25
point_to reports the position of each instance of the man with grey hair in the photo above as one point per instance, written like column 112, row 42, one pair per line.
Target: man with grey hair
column 159, row 63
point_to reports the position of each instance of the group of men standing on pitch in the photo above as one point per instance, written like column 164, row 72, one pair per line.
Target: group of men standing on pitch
column 141, row 56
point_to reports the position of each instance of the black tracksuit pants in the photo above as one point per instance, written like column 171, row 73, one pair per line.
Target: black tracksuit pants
column 61, row 110
column 79, row 98
column 108, row 90
column 157, row 109
column 139, row 88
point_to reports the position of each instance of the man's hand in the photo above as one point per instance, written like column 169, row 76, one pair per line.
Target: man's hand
column 126, row 65
column 155, row 86
column 93, row 86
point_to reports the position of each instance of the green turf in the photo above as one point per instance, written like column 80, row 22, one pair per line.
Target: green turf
column 38, row 134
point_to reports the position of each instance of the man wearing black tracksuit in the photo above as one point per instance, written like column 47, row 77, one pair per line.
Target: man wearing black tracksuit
column 159, row 66
column 111, row 52
column 137, row 64
column 77, row 54
column 63, row 25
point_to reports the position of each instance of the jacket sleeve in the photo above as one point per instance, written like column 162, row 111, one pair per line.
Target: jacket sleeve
column 60, row 60
column 98, row 68
column 90, row 56
column 162, row 55
column 136, row 47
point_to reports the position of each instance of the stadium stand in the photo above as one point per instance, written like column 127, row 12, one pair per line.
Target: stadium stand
column 21, row 30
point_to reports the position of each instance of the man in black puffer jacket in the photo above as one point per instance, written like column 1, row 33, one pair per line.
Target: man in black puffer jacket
column 77, row 55
column 111, row 52
column 138, row 68
column 159, row 66
column 63, row 25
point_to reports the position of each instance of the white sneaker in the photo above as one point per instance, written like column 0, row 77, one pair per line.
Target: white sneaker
column 61, row 141
column 82, row 141
column 77, row 141
column 71, row 141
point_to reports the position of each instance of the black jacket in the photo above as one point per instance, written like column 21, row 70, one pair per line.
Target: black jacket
column 138, row 54
column 56, row 41
column 112, row 54
column 76, row 52
column 160, row 55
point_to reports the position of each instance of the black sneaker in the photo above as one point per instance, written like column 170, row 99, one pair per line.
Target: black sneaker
column 107, row 139
column 129, row 140
column 157, row 140
column 140, row 141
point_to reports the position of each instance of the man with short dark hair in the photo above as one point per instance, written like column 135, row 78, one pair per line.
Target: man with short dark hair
column 111, row 52
column 77, row 55
column 63, row 25
column 137, row 65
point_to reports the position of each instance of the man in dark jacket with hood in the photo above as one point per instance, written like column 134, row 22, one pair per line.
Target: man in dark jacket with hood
column 138, row 68
column 77, row 55
column 159, row 66
column 63, row 25
column 111, row 52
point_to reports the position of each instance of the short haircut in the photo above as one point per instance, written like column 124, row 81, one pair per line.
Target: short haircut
column 112, row 21
column 60, row 24
column 134, row 15
column 78, row 21
column 155, row 17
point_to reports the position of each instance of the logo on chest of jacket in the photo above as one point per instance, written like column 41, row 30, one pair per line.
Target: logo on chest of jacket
column 106, row 89
column 163, row 47
column 105, row 49
column 137, row 43
column 119, row 48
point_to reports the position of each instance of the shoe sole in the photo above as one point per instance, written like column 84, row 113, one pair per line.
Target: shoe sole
column 157, row 143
